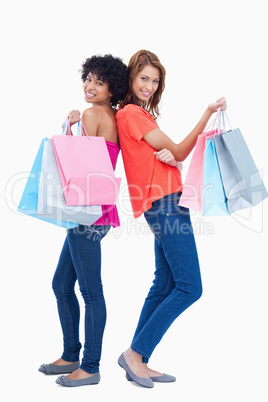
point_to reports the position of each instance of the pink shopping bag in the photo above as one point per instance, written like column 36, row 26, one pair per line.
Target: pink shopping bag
column 192, row 195
column 86, row 170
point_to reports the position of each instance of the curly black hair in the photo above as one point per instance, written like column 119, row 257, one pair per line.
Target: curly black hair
column 111, row 70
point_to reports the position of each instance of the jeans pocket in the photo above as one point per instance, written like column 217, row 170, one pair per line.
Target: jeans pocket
column 178, row 211
column 178, row 223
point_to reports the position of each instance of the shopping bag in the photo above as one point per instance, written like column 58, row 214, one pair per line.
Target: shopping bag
column 29, row 199
column 214, row 198
column 192, row 195
column 242, row 181
column 51, row 201
column 86, row 171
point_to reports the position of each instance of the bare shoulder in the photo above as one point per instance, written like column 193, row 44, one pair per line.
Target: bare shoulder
column 91, row 113
column 101, row 122
column 91, row 121
column 97, row 113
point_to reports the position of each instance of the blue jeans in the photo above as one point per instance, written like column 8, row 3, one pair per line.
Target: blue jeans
column 177, row 283
column 80, row 260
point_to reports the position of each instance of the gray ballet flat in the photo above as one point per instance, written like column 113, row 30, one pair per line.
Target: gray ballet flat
column 56, row 369
column 144, row 382
column 67, row 382
column 160, row 378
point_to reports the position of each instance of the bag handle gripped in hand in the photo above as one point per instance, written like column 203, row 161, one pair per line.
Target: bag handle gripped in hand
column 221, row 114
column 81, row 130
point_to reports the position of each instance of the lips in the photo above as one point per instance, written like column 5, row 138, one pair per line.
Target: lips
column 145, row 93
column 89, row 95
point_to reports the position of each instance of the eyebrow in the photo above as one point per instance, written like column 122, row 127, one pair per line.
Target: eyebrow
column 144, row 75
column 90, row 75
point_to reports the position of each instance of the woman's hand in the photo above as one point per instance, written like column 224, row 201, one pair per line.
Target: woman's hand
column 159, row 140
column 74, row 117
column 166, row 156
column 219, row 103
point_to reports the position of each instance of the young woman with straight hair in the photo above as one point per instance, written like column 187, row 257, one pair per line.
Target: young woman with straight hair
column 155, row 188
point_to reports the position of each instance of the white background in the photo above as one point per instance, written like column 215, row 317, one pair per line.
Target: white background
column 218, row 348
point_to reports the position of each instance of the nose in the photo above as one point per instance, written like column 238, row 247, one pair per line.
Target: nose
column 89, row 85
column 149, row 86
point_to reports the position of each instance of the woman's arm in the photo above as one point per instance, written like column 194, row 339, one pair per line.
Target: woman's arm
column 159, row 140
column 73, row 117
column 89, row 118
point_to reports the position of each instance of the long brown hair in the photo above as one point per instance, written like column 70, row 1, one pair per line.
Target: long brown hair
column 137, row 62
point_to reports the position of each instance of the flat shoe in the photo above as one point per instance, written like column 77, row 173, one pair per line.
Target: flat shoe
column 164, row 378
column 56, row 369
column 67, row 382
column 160, row 378
column 144, row 382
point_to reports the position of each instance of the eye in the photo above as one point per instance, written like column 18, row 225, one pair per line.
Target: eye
column 88, row 79
column 100, row 83
column 144, row 78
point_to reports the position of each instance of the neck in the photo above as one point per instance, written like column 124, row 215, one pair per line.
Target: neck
column 105, row 104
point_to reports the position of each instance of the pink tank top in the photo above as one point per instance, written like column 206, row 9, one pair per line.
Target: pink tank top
column 109, row 212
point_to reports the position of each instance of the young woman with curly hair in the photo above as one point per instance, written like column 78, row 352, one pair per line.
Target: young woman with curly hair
column 155, row 190
column 105, row 85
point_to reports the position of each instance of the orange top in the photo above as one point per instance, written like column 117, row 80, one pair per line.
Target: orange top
column 148, row 178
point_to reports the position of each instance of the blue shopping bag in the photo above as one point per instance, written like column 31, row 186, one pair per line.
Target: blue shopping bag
column 241, row 179
column 214, row 198
column 29, row 199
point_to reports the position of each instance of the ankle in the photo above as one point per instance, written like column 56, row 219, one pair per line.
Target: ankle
column 133, row 356
column 61, row 362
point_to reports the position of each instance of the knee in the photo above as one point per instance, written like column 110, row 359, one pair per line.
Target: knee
column 60, row 291
column 192, row 292
column 197, row 292
column 92, row 294
column 56, row 288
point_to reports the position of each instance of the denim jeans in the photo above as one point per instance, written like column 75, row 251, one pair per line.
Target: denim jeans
column 80, row 260
column 177, row 283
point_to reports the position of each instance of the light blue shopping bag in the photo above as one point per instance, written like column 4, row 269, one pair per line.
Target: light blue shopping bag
column 241, row 179
column 29, row 199
column 214, row 198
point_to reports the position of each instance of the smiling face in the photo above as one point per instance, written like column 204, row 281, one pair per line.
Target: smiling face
column 96, row 91
column 145, row 83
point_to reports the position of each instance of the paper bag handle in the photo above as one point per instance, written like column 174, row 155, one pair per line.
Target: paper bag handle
column 221, row 114
column 81, row 130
